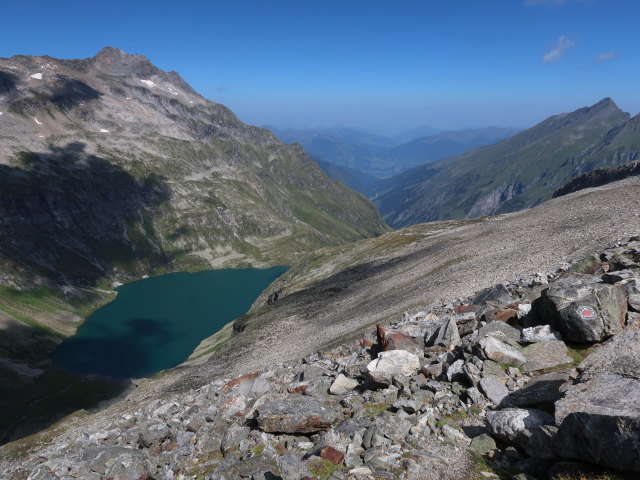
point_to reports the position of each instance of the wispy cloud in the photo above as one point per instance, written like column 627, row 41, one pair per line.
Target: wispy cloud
column 542, row 2
column 557, row 52
column 554, row 2
column 605, row 57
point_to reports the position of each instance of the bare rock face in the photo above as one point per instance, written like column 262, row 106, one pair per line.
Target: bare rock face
column 599, row 416
column 293, row 414
column 584, row 313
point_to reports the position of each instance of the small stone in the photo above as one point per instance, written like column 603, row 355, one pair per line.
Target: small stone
column 483, row 444
column 342, row 385
column 332, row 455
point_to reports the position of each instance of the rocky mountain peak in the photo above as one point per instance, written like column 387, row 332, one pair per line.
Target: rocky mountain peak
column 114, row 61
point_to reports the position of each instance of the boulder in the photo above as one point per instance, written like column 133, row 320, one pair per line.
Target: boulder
column 599, row 416
column 584, row 313
column 501, row 351
column 520, row 427
column 545, row 354
column 497, row 293
column 291, row 413
column 392, row 340
column 541, row 333
column 494, row 389
column 466, row 322
column 393, row 362
column 447, row 335
column 342, row 385
column 543, row 389
column 499, row 329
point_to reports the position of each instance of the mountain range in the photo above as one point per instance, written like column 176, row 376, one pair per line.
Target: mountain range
column 517, row 173
column 384, row 157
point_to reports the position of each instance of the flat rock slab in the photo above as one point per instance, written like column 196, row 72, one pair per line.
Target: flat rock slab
column 293, row 413
column 584, row 313
column 546, row 354
column 501, row 351
column 599, row 416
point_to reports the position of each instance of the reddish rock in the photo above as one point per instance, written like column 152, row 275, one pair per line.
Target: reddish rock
column 498, row 313
column 366, row 342
column 331, row 454
column 237, row 381
column 300, row 387
column 390, row 340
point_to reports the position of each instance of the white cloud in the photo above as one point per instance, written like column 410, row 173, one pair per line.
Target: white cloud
column 605, row 57
column 550, row 2
column 540, row 2
column 557, row 52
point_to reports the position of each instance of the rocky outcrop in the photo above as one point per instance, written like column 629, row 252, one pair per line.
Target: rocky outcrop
column 599, row 416
column 585, row 313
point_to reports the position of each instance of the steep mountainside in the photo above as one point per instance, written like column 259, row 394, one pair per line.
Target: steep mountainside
column 355, row 179
column 111, row 168
column 516, row 173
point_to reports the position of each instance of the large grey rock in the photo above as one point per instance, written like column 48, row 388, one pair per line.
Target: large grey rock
column 448, row 335
column 499, row 350
column 292, row 413
column 599, row 416
column 543, row 389
column 494, row 389
column 393, row 362
column 584, row 313
column 545, row 354
column 520, row 427
column 499, row 329
column 292, row 468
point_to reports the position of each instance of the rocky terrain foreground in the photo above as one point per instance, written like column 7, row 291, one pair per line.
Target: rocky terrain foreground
column 539, row 378
column 534, row 378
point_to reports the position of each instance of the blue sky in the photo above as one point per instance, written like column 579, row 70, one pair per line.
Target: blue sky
column 375, row 64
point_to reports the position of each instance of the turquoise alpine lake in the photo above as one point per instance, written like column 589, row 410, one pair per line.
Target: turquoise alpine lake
column 156, row 323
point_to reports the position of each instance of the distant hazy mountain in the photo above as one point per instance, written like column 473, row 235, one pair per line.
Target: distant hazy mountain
column 516, row 173
column 346, row 147
column 438, row 146
column 384, row 157
column 412, row 134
